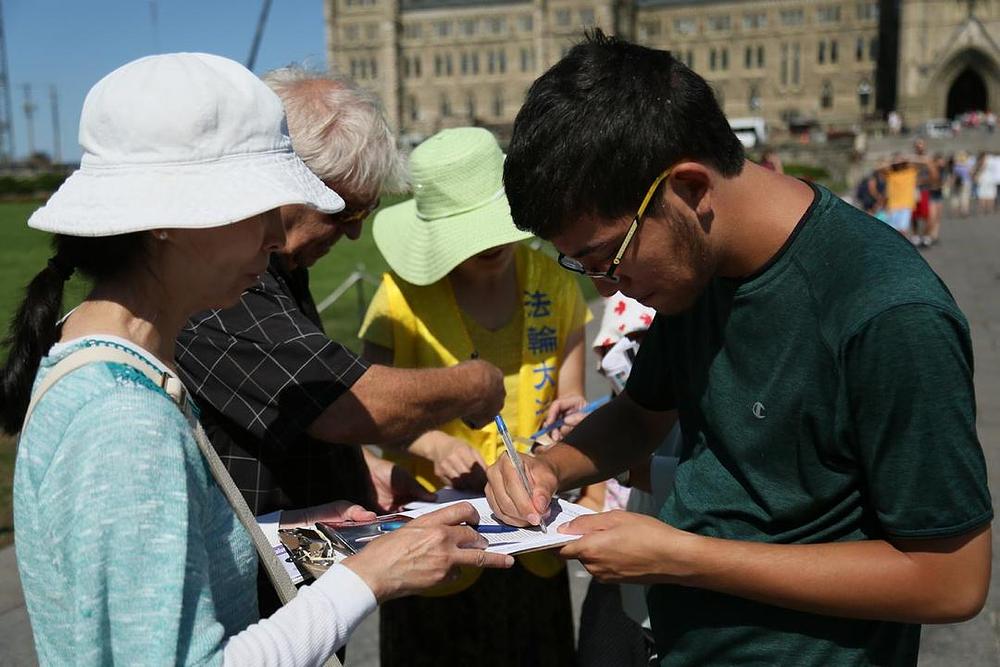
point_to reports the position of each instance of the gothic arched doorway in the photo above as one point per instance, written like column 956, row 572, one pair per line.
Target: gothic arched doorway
column 967, row 93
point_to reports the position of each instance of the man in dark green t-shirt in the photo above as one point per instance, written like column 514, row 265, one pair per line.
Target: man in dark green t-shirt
column 831, row 495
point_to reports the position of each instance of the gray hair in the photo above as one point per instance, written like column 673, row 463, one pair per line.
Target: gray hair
column 340, row 131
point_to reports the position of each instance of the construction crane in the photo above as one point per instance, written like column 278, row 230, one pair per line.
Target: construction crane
column 255, row 46
column 6, row 112
column 56, row 137
column 29, row 116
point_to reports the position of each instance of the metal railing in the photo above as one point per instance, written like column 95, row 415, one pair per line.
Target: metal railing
column 357, row 280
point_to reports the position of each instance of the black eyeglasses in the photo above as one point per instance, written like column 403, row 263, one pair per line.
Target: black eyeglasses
column 576, row 266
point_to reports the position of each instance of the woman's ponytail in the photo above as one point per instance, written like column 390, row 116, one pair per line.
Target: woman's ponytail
column 33, row 330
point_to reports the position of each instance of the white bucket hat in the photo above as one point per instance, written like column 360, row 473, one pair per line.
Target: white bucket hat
column 180, row 140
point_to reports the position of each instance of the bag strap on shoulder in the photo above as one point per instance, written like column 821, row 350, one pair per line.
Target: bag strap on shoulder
column 175, row 389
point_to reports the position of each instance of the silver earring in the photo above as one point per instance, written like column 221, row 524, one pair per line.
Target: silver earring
column 162, row 236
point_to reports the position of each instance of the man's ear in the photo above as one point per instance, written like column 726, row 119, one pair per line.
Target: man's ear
column 692, row 184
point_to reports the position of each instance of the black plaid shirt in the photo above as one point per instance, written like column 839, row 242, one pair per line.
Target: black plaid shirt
column 262, row 372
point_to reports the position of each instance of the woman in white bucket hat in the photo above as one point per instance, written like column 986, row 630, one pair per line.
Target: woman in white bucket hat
column 127, row 549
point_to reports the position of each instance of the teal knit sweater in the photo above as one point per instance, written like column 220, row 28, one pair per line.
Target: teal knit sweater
column 127, row 550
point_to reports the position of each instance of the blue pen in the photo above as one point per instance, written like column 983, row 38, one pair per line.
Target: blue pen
column 588, row 408
column 485, row 529
column 515, row 458
column 489, row 529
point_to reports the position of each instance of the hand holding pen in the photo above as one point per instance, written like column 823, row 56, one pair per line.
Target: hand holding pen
column 521, row 498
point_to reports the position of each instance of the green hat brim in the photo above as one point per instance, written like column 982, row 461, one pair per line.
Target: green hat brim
column 422, row 252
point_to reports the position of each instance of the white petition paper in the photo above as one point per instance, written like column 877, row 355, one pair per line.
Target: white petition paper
column 518, row 541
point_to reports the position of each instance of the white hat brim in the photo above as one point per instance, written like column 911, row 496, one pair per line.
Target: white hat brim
column 101, row 201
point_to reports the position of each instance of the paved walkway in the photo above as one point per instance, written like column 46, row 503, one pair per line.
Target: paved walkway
column 968, row 259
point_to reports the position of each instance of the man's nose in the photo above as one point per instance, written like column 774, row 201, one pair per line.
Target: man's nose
column 353, row 230
column 274, row 233
column 604, row 287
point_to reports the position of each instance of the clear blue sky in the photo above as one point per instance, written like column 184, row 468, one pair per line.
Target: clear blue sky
column 73, row 43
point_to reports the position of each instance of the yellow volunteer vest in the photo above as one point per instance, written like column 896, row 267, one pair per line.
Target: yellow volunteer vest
column 428, row 332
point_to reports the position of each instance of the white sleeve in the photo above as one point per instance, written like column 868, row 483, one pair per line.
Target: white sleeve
column 310, row 628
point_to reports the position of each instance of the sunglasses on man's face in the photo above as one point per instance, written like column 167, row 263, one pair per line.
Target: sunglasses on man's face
column 353, row 215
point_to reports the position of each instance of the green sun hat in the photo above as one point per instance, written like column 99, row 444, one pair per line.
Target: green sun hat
column 458, row 208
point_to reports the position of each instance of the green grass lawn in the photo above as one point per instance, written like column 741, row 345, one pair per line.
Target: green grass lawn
column 24, row 251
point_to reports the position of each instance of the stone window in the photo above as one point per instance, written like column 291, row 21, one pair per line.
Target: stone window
column 796, row 63
column 718, row 59
column 650, row 28
column 719, row 23
column 351, row 33
column 834, row 51
column 411, row 31
column 753, row 98
column 445, row 106
column 442, row 28
column 685, row 26
column 371, row 31
column 562, row 18
column 760, row 56
column 859, row 49
column 754, row 21
column 792, row 17
column 498, row 104
column 526, row 22
column 826, row 96
column 867, row 11
column 527, row 60
column 784, row 64
column 828, row 14
column 468, row 27
column 587, row 17
column 497, row 25
column 442, row 64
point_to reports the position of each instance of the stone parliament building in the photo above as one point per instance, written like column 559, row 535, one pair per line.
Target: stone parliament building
column 832, row 63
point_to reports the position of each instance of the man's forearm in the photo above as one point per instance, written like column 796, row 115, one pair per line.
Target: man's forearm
column 394, row 404
column 607, row 442
column 928, row 581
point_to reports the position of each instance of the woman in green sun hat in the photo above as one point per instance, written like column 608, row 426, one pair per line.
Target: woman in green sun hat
column 463, row 285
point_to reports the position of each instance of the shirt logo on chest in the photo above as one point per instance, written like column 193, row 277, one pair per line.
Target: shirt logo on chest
column 758, row 410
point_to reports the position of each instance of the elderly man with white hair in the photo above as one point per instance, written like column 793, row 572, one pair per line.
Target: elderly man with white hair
column 277, row 395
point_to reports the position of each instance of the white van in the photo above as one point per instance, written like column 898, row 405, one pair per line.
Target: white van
column 751, row 131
